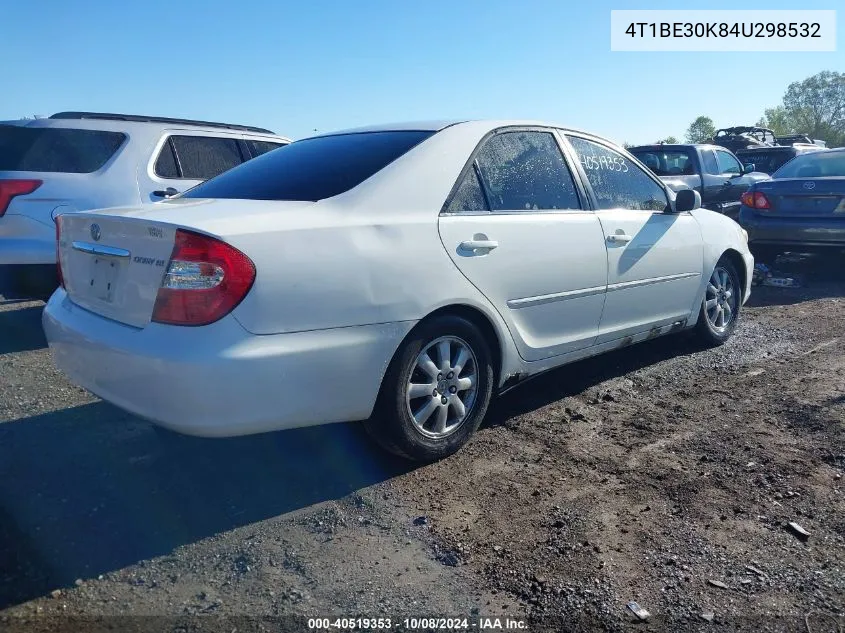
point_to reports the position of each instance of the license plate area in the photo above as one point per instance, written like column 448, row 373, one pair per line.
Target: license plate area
column 103, row 276
column 824, row 204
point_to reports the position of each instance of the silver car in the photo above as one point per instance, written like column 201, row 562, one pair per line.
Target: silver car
column 77, row 161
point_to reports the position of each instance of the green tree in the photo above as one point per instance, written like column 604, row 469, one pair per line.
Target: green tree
column 776, row 120
column 814, row 106
column 701, row 130
column 669, row 139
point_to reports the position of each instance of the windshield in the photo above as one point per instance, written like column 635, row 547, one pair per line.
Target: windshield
column 814, row 165
column 672, row 162
column 52, row 149
column 311, row 169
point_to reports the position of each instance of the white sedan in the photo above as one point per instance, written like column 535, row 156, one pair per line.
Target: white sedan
column 401, row 275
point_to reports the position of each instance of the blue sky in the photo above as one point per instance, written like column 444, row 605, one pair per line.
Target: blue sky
column 296, row 66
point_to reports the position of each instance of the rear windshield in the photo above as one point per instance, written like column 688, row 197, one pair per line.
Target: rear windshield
column 54, row 149
column 764, row 161
column 311, row 169
column 667, row 162
column 814, row 165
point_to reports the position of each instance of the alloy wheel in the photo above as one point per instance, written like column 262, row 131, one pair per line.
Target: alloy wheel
column 720, row 302
column 442, row 387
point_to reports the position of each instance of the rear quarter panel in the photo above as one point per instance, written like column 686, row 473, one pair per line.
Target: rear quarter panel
column 371, row 255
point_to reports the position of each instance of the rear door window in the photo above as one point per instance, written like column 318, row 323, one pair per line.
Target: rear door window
column 53, row 149
column 257, row 148
column 710, row 164
column 667, row 162
column 204, row 157
column 469, row 196
column 313, row 168
column 517, row 171
column 617, row 182
column 166, row 166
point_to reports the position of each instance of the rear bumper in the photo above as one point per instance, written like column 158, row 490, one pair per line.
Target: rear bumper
column 799, row 232
column 219, row 380
column 26, row 241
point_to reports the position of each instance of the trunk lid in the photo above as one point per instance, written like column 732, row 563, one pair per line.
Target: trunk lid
column 805, row 197
column 118, row 273
column 113, row 265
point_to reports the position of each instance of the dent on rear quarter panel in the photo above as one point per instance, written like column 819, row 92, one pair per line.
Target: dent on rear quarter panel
column 337, row 273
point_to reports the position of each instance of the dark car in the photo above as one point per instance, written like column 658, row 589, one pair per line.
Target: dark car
column 743, row 136
column 770, row 159
column 713, row 171
column 801, row 208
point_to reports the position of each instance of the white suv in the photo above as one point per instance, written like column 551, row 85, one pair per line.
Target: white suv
column 77, row 161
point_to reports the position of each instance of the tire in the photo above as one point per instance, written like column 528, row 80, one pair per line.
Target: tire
column 465, row 383
column 723, row 287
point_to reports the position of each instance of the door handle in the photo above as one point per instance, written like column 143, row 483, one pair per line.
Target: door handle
column 619, row 238
column 472, row 245
column 167, row 193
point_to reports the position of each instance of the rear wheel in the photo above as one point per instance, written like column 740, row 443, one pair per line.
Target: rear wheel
column 435, row 392
column 720, row 307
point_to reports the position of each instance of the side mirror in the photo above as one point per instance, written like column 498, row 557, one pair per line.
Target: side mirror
column 687, row 200
column 748, row 168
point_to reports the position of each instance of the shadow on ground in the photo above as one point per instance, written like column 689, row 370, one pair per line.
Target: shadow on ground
column 573, row 379
column 820, row 276
column 91, row 489
column 20, row 328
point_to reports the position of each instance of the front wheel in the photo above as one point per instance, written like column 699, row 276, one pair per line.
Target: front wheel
column 435, row 391
column 720, row 307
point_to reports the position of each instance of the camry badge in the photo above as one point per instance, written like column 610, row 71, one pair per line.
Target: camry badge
column 95, row 232
column 809, row 185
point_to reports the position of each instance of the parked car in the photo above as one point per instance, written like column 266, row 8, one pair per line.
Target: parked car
column 713, row 171
column 770, row 159
column 743, row 136
column 754, row 137
column 75, row 161
column 400, row 275
column 801, row 208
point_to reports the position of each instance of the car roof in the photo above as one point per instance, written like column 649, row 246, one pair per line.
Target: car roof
column 138, row 124
column 438, row 125
column 678, row 146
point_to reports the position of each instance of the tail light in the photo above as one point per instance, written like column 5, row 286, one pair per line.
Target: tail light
column 11, row 188
column 58, row 221
column 755, row 200
column 205, row 280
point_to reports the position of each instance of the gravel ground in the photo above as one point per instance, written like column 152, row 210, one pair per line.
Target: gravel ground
column 661, row 473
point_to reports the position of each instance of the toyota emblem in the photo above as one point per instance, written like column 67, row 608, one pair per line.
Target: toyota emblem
column 809, row 185
column 95, row 232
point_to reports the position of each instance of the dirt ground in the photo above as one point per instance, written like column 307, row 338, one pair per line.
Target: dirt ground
column 661, row 474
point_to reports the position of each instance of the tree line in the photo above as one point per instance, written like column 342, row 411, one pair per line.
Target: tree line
column 814, row 106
